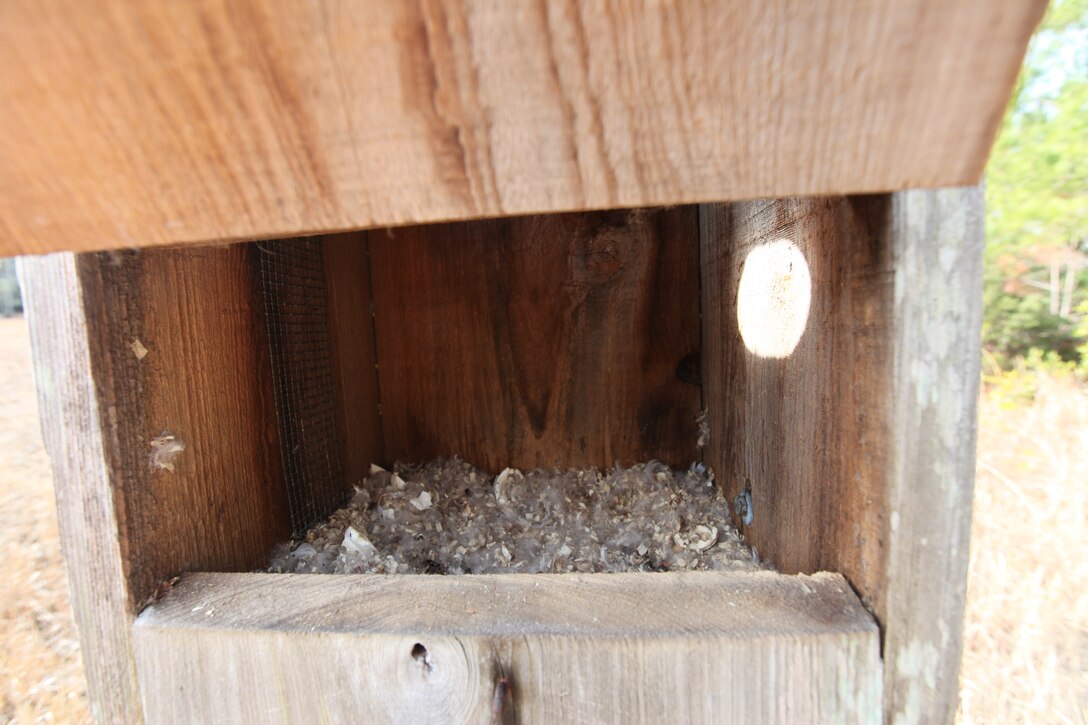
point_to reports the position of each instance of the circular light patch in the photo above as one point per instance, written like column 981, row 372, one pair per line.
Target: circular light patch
column 773, row 299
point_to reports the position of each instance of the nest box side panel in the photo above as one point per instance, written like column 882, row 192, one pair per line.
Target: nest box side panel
column 853, row 450
column 155, row 387
column 75, row 436
column 183, row 375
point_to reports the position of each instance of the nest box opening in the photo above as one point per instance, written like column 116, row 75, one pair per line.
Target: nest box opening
column 555, row 344
column 715, row 339
column 565, row 340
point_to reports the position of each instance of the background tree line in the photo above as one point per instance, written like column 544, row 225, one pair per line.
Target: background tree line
column 1036, row 285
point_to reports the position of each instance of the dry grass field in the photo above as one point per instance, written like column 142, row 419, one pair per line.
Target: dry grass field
column 40, row 675
column 1026, row 657
column 1027, row 628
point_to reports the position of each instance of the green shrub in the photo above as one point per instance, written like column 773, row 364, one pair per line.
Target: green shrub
column 1017, row 384
column 1014, row 326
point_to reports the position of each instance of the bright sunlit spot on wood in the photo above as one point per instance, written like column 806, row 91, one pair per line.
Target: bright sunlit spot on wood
column 773, row 299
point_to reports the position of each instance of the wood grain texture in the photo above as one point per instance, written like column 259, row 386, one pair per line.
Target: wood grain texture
column 351, row 326
column 73, row 428
column 632, row 648
column 540, row 341
column 205, row 378
column 939, row 239
column 858, row 447
column 159, row 122
column 807, row 433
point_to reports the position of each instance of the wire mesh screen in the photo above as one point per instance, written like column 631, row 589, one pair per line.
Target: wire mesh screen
column 296, row 308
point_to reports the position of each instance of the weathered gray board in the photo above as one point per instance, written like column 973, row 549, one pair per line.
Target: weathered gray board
column 700, row 647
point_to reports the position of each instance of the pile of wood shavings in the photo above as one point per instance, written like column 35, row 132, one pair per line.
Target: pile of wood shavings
column 448, row 517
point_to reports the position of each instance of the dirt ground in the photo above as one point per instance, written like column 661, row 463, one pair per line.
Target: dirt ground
column 1027, row 622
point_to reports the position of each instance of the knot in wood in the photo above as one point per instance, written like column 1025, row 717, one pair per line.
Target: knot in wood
column 601, row 255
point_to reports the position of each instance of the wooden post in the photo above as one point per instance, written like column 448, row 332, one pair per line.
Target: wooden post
column 856, row 447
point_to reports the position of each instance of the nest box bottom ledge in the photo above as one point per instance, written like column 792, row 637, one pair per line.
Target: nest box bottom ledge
column 704, row 646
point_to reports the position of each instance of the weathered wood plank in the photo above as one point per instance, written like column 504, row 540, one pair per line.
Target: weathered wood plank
column 935, row 372
column 92, row 536
column 127, row 348
column 161, row 122
column 702, row 647
column 807, row 433
column 179, row 346
column 858, row 445
column 540, row 341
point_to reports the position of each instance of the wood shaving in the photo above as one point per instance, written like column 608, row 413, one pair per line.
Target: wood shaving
column 449, row 517
column 164, row 451
column 138, row 349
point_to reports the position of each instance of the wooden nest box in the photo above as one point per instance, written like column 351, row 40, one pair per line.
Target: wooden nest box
column 289, row 242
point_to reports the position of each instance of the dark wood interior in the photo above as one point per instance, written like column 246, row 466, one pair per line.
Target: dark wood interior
column 560, row 340
column 543, row 341
column 804, row 433
column 556, row 340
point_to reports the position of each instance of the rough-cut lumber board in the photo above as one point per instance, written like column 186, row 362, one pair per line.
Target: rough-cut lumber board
column 936, row 317
column 858, row 447
column 91, row 535
column 205, row 378
column 806, row 433
column 142, row 123
column 351, row 326
column 200, row 371
column 540, row 341
column 631, row 648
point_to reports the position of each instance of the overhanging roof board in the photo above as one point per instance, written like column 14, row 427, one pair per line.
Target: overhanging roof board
column 157, row 122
